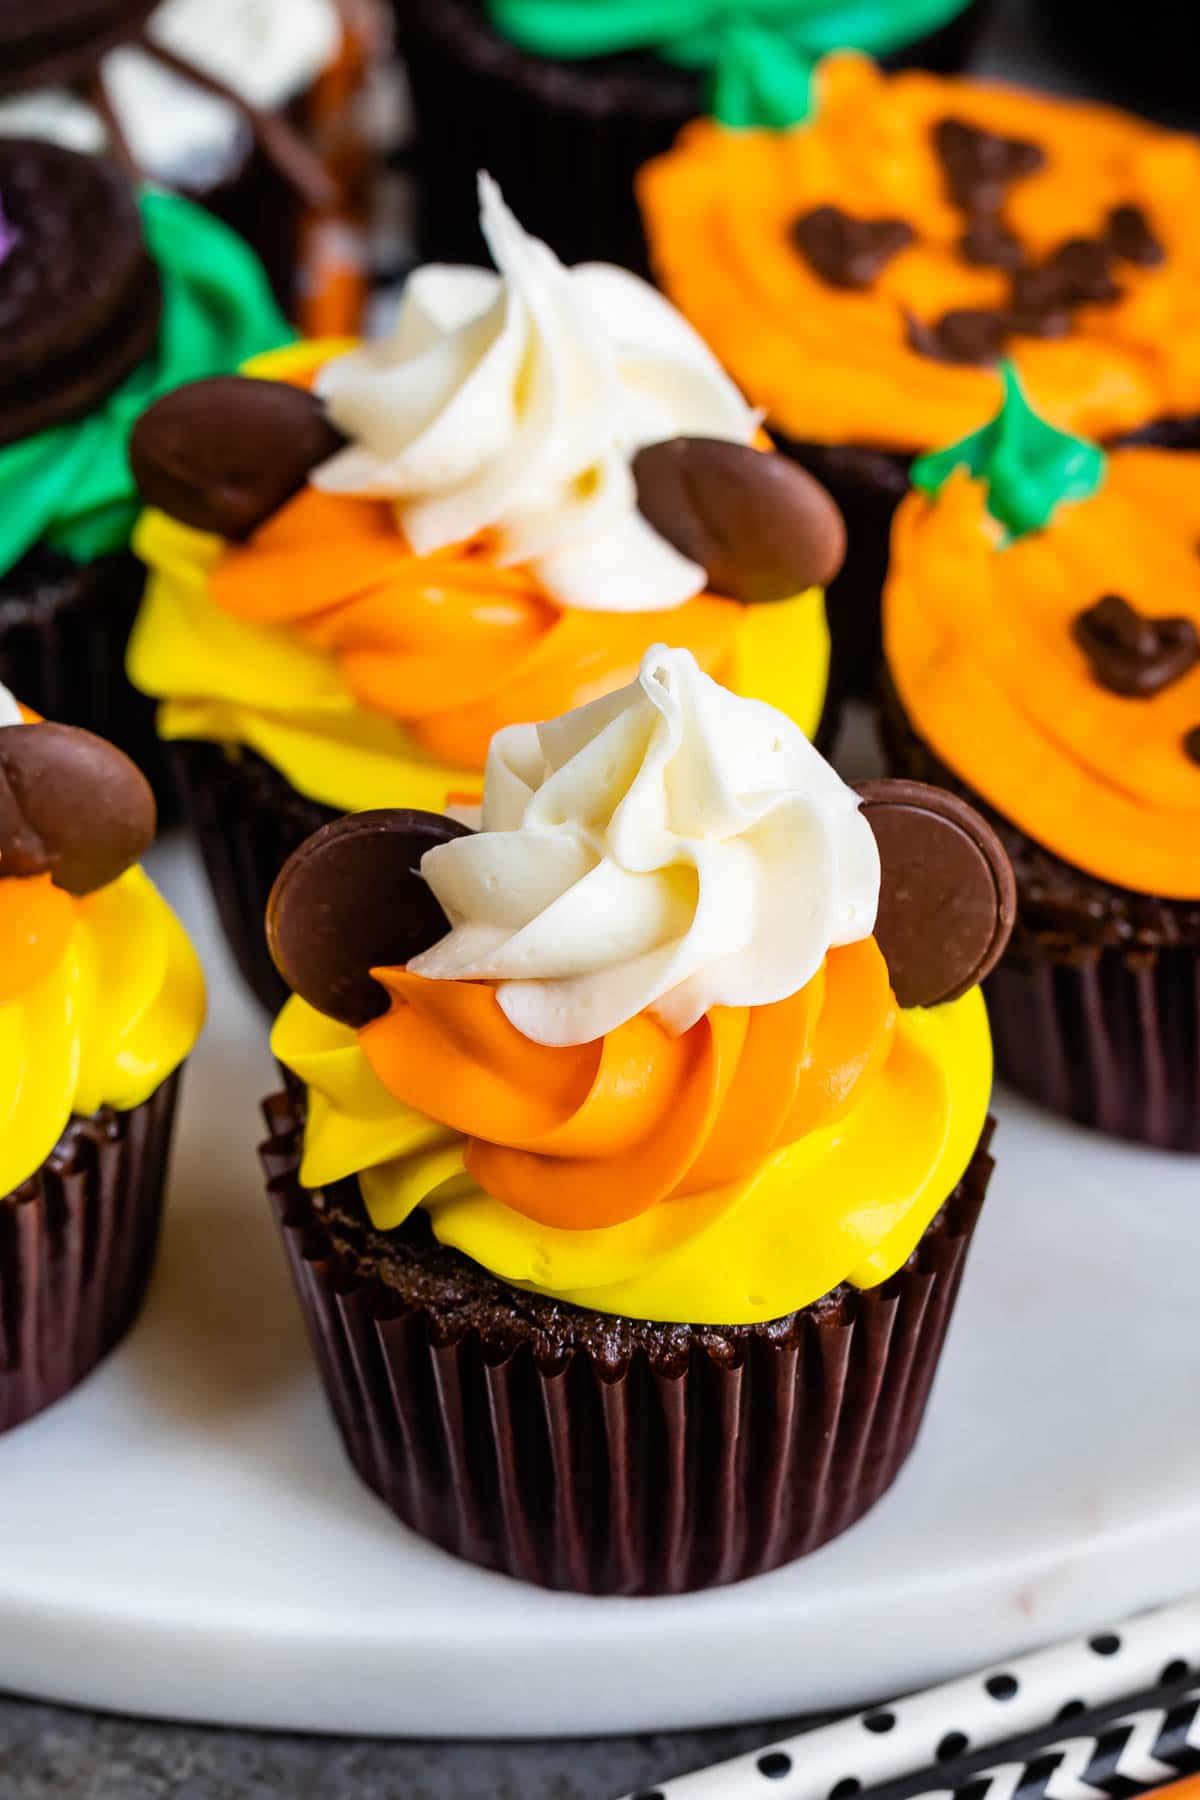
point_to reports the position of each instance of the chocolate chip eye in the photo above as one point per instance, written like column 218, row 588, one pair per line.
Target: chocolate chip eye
column 71, row 806
column 1191, row 744
column 1131, row 238
column 947, row 896
column 350, row 900
column 980, row 166
column 1132, row 654
column 845, row 251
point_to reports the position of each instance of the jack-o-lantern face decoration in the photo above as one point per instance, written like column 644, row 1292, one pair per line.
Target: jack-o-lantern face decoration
column 1058, row 672
column 861, row 274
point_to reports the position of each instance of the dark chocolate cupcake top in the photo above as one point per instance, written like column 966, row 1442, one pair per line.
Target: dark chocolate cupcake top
column 636, row 1043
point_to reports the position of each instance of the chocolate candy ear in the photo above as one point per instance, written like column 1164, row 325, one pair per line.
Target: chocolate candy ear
column 757, row 522
column 947, row 898
column 71, row 806
column 223, row 455
column 350, row 900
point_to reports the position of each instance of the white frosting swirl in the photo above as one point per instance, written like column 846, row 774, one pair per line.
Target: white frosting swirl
column 670, row 848
column 514, row 403
column 10, row 712
column 268, row 51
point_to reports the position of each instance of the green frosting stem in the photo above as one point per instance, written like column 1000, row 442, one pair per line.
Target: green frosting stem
column 71, row 486
column 759, row 55
column 1030, row 467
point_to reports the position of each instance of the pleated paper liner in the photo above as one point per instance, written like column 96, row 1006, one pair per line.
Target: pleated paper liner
column 248, row 820
column 63, row 630
column 77, row 1245
column 643, row 1459
column 1095, row 1007
column 563, row 138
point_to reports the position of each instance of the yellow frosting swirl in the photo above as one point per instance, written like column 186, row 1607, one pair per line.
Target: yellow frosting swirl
column 235, row 680
column 121, row 1008
column 848, row 1202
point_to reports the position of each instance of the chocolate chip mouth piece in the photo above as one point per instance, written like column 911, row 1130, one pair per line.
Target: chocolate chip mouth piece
column 71, row 806
column 223, row 455
column 845, row 251
column 80, row 298
column 760, row 526
column 1130, row 237
column 1131, row 654
column 350, row 900
column 1191, row 744
column 947, row 897
column 969, row 336
column 980, row 166
column 989, row 244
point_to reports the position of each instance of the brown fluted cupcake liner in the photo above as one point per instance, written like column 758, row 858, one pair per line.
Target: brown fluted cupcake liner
column 248, row 820
column 563, row 138
column 1095, row 1006
column 77, row 1245
column 643, row 1459
column 63, row 630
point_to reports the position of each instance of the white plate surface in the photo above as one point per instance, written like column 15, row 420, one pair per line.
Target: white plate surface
column 183, row 1537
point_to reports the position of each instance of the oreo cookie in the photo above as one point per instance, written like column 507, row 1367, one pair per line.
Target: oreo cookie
column 80, row 300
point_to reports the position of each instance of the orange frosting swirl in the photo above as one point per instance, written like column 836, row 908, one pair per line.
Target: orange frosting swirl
column 451, row 644
column 834, row 364
column 594, row 1134
column 980, row 645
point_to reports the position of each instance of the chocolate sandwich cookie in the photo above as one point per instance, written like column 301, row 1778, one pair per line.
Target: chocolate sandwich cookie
column 80, row 297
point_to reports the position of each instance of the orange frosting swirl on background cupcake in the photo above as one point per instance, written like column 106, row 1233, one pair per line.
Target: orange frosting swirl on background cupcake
column 451, row 643
column 834, row 364
column 983, row 645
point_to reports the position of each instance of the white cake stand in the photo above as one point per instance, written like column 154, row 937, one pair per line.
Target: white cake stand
column 182, row 1536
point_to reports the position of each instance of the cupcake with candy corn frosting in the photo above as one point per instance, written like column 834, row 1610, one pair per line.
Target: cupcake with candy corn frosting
column 101, row 1000
column 863, row 274
column 366, row 562
column 636, row 1136
column 1042, row 630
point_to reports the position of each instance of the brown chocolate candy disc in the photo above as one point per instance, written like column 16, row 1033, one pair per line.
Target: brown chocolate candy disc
column 760, row 525
column 71, row 805
column 947, row 898
column 350, row 900
column 223, row 455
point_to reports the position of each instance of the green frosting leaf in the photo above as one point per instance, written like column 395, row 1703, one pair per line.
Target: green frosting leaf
column 759, row 54
column 71, row 485
column 1030, row 467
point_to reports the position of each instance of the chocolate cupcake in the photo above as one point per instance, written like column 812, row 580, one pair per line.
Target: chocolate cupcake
column 628, row 1233
column 489, row 516
column 1042, row 628
column 564, row 102
column 223, row 101
column 101, row 999
column 862, row 275
column 107, row 299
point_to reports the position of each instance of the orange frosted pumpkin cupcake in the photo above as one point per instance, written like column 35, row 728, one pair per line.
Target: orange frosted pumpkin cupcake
column 636, row 1140
column 367, row 560
column 1042, row 632
column 860, row 275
